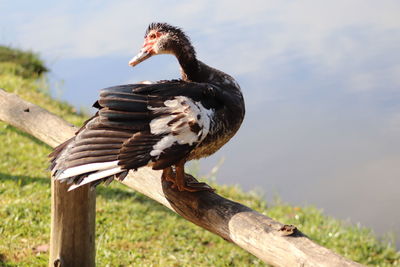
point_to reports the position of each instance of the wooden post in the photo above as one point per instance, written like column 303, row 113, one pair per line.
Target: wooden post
column 72, row 238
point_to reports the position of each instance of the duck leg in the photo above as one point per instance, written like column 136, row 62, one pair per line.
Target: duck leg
column 186, row 182
column 168, row 175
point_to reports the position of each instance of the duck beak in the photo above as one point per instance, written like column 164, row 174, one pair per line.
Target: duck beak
column 141, row 56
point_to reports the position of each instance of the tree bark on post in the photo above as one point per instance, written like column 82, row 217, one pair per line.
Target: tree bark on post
column 269, row 240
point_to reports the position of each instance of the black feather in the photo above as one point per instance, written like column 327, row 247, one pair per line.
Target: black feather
column 98, row 140
column 93, row 147
column 88, row 160
column 172, row 155
column 115, row 115
column 93, row 153
column 124, row 104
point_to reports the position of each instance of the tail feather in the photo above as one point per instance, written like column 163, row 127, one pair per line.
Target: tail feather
column 89, row 160
column 82, row 169
column 97, row 176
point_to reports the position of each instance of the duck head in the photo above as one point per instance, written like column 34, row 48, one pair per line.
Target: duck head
column 162, row 38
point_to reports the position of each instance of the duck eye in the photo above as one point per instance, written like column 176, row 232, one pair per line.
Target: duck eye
column 152, row 36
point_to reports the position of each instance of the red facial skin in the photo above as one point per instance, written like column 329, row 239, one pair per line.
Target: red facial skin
column 150, row 40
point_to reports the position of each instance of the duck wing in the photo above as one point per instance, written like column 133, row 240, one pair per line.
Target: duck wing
column 137, row 125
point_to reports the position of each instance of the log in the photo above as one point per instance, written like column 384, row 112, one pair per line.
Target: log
column 269, row 240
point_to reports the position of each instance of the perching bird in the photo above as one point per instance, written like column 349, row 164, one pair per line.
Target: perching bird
column 161, row 125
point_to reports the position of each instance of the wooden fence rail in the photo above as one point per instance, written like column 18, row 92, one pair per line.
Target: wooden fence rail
column 73, row 213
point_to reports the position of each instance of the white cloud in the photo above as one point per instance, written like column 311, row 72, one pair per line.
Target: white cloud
column 386, row 78
column 104, row 31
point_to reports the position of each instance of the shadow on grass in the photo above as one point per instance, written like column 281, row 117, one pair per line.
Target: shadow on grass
column 3, row 262
column 24, row 134
column 108, row 192
column 23, row 179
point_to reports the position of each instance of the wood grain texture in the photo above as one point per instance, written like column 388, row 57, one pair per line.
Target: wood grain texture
column 72, row 237
column 267, row 239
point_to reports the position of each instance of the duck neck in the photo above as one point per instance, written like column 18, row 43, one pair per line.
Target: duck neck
column 188, row 62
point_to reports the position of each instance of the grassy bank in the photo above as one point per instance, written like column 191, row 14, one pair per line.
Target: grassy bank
column 132, row 230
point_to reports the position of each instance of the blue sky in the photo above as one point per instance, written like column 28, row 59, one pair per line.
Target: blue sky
column 321, row 81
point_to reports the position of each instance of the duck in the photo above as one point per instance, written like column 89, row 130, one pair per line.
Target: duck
column 161, row 125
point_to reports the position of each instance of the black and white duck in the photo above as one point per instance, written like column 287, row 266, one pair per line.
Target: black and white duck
column 161, row 125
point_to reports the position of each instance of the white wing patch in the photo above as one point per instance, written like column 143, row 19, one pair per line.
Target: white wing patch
column 182, row 112
column 100, row 170
column 74, row 171
column 96, row 176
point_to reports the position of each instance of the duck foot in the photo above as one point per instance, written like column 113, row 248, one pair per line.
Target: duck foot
column 184, row 182
column 192, row 185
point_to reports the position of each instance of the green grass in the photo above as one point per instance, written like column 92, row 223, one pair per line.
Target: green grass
column 132, row 230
